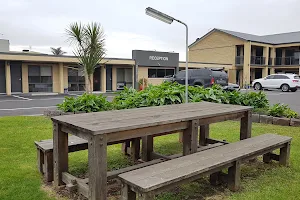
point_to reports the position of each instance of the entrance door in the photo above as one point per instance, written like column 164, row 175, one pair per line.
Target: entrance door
column 2, row 78
column 16, row 76
column 108, row 77
column 97, row 82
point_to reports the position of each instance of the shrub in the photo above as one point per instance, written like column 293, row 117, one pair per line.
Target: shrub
column 85, row 103
column 281, row 110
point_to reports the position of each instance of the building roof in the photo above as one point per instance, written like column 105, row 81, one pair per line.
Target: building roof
column 275, row 39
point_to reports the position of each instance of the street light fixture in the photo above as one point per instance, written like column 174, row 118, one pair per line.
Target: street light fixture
column 168, row 19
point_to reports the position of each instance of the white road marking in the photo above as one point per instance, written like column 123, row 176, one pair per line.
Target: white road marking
column 33, row 115
column 30, row 108
column 21, row 97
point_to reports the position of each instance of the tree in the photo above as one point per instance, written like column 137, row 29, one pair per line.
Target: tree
column 57, row 51
column 89, row 47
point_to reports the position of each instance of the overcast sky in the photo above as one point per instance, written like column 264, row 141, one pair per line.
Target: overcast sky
column 41, row 24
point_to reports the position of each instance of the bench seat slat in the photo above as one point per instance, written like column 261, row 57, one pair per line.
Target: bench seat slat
column 47, row 145
column 156, row 176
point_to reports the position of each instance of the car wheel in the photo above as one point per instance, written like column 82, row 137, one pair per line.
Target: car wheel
column 285, row 88
column 257, row 86
column 294, row 89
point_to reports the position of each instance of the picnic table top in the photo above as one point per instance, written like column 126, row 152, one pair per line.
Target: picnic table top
column 128, row 119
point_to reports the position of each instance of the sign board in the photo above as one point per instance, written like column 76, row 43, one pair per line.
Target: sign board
column 155, row 58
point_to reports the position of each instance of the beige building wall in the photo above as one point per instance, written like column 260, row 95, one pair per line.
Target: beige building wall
column 103, row 78
column 25, row 85
column 66, row 79
column 142, row 72
column 246, row 68
column 232, row 75
column 216, row 47
column 8, row 78
column 55, row 78
column 114, row 78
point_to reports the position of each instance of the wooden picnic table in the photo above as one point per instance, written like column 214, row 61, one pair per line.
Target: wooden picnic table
column 102, row 128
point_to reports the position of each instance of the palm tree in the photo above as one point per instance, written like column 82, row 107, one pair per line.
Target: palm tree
column 89, row 47
column 57, row 51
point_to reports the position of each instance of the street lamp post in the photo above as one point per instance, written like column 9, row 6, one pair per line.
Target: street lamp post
column 168, row 19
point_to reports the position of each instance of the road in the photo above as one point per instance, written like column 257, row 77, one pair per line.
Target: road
column 31, row 105
column 35, row 105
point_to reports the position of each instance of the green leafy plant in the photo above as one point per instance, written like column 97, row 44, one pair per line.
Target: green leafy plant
column 85, row 103
column 281, row 110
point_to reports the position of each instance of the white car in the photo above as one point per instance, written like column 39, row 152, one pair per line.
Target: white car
column 285, row 82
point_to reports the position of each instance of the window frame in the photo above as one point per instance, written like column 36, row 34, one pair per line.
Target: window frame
column 160, row 68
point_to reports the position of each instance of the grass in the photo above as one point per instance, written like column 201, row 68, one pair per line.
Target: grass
column 19, row 178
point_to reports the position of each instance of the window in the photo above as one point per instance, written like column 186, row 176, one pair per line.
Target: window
column 280, row 77
column 76, row 80
column 270, row 77
column 40, row 78
column 160, row 72
column 181, row 74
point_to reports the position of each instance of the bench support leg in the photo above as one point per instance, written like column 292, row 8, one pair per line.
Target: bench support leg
column 234, row 176
column 214, row 178
column 267, row 157
column 135, row 149
column 190, row 138
column 40, row 160
column 284, row 156
column 147, row 147
column 204, row 135
column 145, row 196
column 48, row 166
column 127, row 193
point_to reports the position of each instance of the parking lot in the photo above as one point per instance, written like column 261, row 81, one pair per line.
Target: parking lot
column 35, row 105
column 31, row 105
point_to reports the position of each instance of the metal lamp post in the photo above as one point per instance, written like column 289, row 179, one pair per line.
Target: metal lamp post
column 168, row 19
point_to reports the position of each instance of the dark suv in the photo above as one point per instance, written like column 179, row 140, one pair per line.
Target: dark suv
column 205, row 77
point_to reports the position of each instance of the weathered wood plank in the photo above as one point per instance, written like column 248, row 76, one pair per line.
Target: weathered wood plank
column 48, row 166
column 284, row 155
column 40, row 161
column 60, row 153
column 220, row 118
column 214, row 141
column 156, row 176
column 190, row 138
column 140, row 132
column 115, row 121
column 234, row 176
column 246, row 126
column 204, row 135
column 97, row 158
column 126, row 193
column 135, row 149
column 147, row 147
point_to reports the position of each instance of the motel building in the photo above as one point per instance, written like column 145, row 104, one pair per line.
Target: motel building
column 243, row 56
column 31, row 72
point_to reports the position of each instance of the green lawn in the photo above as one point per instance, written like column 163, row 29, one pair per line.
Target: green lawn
column 19, row 178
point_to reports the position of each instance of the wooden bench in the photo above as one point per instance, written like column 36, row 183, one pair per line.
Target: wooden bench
column 45, row 153
column 144, row 183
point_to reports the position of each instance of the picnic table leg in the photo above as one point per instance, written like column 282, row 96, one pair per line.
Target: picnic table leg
column 135, row 149
column 125, row 147
column 190, row 138
column 147, row 147
column 246, row 126
column 60, row 153
column 204, row 135
column 97, row 159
